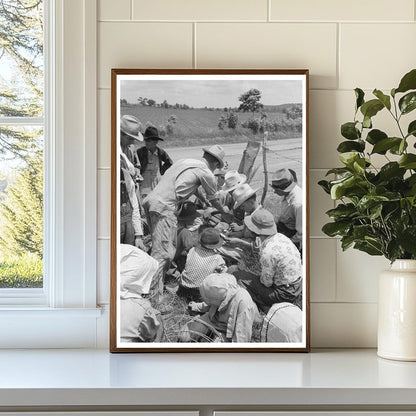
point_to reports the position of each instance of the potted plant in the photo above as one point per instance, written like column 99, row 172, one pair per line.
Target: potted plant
column 376, row 206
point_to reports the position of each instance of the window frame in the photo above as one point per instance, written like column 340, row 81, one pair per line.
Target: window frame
column 69, row 295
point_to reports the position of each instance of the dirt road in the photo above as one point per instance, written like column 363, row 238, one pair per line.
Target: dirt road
column 285, row 153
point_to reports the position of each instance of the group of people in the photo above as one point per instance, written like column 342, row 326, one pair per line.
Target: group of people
column 211, row 240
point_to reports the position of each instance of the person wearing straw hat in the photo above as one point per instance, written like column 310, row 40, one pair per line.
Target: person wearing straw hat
column 154, row 161
column 179, row 182
column 245, row 202
column 131, row 230
column 232, row 179
column 281, row 266
column 289, row 220
column 202, row 260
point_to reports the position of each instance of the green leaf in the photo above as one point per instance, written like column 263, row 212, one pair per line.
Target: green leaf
column 338, row 171
column 375, row 212
column 407, row 240
column 411, row 130
column 342, row 211
column 398, row 149
column 349, row 146
column 325, row 186
column 385, row 99
column 408, row 82
column 346, row 242
column 368, row 248
column 359, row 95
column 349, row 131
column 391, row 170
column 371, row 108
column 375, row 136
column 383, row 145
column 408, row 161
column 367, row 122
column 408, row 102
column 369, row 201
column 350, row 186
column 348, row 158
column 336, row 228
column 361, row 231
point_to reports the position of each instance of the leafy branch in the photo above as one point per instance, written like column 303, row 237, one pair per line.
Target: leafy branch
column 376, row 210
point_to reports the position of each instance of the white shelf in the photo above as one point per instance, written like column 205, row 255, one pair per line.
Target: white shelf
column 58, row 378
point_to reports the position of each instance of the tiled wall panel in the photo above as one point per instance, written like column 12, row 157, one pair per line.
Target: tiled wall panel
column 350, row 325
column 142, row 45
column 272, row 45
column 345, row 44
column 357, row 10
column 323, row 269
column 114, row 10
column 200, row 10
column 376, row 55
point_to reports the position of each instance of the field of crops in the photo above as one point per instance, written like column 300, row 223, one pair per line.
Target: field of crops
column 197, row 126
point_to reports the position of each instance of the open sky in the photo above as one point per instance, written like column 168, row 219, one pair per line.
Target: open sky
column 217, row 93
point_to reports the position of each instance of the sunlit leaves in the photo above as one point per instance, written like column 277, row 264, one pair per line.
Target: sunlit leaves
column 376, row 205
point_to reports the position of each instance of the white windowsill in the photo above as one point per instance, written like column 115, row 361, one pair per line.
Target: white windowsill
column 322, row 378
column 40, row 327
column 36, row 312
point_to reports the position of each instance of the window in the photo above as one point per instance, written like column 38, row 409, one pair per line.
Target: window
column 22, row 129
column 63, row 312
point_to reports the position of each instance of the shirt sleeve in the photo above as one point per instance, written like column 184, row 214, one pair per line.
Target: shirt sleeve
column 150, row 325
column 267, row 270
column 208, row 184
column 298, row 218
column 221, row 266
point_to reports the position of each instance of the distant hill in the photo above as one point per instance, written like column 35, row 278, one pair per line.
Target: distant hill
column 200, row 125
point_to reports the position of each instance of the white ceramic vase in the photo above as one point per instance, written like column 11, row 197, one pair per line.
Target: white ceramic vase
column 397, row 312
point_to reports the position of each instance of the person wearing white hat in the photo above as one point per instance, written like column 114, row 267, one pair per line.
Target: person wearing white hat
column 245, row 202
column 131, row 230
column 139, row 322
column 180, row 182
column 232, row 179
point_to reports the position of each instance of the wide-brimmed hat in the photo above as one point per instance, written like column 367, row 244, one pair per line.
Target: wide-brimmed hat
column 283, row 180
column 261, row 222
column 217, row 152
column 242, row 193
column 130, row 125
column 152, row 133
column 211, row 238
column 188, row 212
column 232, row 180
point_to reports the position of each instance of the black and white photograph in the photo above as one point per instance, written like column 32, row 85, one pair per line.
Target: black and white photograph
column 209, row 231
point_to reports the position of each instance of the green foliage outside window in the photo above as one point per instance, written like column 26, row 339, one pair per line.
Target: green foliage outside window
column 21, row 147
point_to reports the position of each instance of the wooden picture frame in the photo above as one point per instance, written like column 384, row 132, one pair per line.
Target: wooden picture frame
column 259, row 118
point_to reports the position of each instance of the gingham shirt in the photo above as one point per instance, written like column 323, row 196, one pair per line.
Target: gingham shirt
column 199, row 264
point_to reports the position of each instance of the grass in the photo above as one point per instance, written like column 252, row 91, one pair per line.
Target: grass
column 176, row 315
column 25, row 271
column 199, row 126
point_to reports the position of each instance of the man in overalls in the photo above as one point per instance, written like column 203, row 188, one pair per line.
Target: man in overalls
column 180, row 181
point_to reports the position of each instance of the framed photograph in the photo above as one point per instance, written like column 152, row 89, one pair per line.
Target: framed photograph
column 209, row 211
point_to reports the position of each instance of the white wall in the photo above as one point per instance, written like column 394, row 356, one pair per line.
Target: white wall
column 345, row 44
